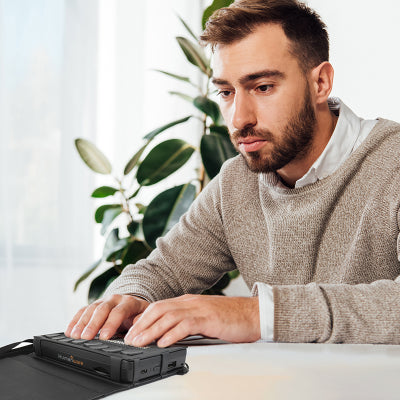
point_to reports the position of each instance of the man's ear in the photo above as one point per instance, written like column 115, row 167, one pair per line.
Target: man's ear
column 322, row 81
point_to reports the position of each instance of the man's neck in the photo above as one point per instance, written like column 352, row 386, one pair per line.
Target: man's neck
column 325, row 125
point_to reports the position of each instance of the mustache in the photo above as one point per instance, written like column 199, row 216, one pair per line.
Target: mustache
column 250, row 131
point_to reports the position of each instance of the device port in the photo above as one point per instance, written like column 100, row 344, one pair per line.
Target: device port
column 172, row 365
column 101, row 371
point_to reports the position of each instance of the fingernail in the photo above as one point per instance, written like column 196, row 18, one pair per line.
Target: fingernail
column 137, row 340
column 104, row 335
column 86, row 334
column 76, row 333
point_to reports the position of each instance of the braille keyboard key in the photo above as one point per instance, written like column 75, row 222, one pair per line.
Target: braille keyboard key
column 112, row 350
column 131, row 352
column 54, row 335
column 79, row 341
column 91, row 343
column 99, row 347
column 66, row 340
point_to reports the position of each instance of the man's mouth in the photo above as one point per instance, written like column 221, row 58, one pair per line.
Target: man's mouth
column 250, row 144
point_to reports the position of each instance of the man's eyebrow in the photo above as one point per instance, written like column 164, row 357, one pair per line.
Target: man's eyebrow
column 268, row 73
column 217, row 81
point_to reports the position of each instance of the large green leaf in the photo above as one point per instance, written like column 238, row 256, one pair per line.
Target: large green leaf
column 165, row 210
column 104, row 191
column 155, row 132
column 216, row 5
column 113, row 244
column 100, row 284
column 135, row 252
column 220, row 130
column 208, row 107
column 135, row 159
column 215, row 149
column 87, row 273
column 99, row 213
column 194, row 54
column 93, row 157
column 109, row 216
column 163, row 160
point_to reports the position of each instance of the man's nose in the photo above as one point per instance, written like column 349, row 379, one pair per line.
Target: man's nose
column 243, row 112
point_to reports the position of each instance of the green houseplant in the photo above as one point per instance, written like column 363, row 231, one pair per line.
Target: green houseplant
column 146, row 223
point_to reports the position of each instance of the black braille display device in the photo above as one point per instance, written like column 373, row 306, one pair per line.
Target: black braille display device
column 112, row 359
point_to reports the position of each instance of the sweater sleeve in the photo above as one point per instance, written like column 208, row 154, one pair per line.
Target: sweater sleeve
column 192, row 257
column 339, row 313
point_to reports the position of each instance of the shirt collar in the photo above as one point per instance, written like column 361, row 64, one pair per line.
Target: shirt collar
column 336, row 151
column 339, row 146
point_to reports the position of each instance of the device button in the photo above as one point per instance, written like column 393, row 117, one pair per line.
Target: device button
column 112, row 350
column 66, row 340
column 78, row 341
column 54, row 335
column 131, row 352
column 91, row 343
column 99, row 347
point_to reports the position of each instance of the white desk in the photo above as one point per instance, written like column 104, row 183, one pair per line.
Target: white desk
column 281, row 371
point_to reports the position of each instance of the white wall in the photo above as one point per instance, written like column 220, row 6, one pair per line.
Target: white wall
column 365, row 54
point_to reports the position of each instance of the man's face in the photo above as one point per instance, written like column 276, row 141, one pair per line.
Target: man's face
column 265, row 99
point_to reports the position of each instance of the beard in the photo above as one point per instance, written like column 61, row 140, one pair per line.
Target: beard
column 294, row 142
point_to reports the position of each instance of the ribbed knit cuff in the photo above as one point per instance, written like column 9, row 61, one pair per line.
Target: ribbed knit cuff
column 301, row 314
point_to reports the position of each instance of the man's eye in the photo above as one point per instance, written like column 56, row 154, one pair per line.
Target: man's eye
column 224, row 93
column 264, row 88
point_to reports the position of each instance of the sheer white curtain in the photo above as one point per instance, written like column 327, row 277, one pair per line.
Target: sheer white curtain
column 72, row 68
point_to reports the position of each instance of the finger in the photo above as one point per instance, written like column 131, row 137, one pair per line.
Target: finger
column 120, row 315
column 136, row 318
column 73, row 322
column 83, row 320
column 97, row 320
column 185, row 328
column 156, row 330
column 152, row 313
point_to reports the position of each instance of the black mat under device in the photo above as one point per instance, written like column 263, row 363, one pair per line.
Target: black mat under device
column 57, row 367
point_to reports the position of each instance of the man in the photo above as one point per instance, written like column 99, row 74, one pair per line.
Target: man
column 308, row 212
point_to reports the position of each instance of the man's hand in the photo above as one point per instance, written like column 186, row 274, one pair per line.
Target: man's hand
column 113, row 314
column 235, row 319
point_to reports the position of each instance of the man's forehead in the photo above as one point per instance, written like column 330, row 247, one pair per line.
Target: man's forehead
column 267, row 48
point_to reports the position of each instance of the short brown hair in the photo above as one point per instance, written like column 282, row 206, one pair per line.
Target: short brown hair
column 302, row 26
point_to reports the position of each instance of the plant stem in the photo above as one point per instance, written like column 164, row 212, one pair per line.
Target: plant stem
column 205, row 127
column 125, row 202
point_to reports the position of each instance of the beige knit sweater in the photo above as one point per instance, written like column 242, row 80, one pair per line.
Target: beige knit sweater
column 330, row 249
